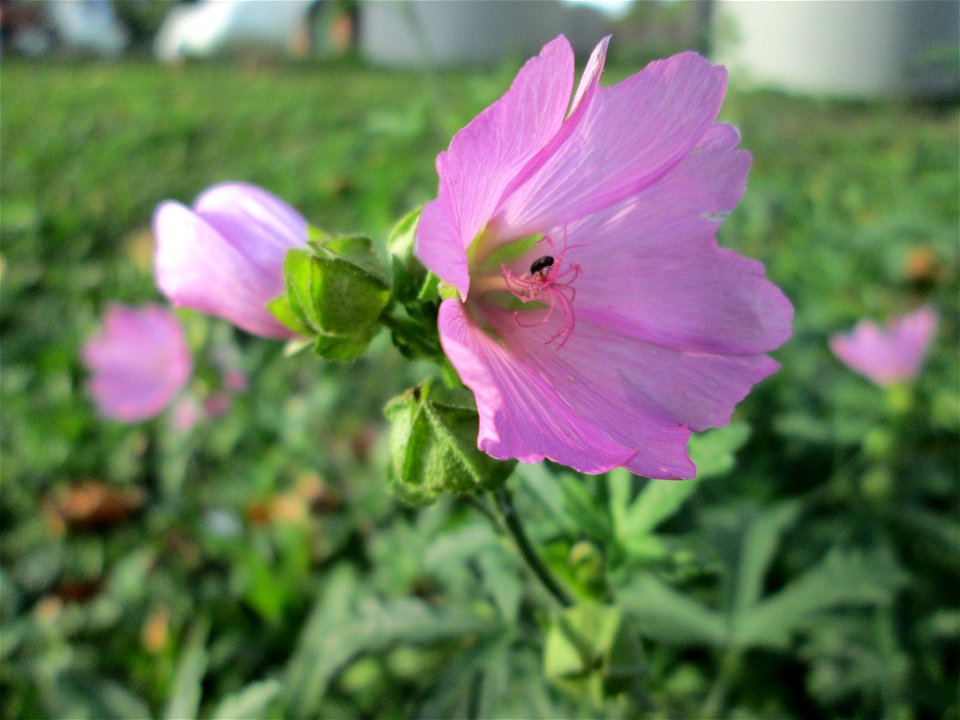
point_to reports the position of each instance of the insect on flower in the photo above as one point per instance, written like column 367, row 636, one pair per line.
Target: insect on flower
column 542, row 282
column 541, row 266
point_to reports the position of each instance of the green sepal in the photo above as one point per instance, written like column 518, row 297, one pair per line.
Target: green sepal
column 347, row 299
column 344, row 348
column 433, row 445
column 300, row 277
column 592, row 652
column 357, row 250
column 412, row 316
column 283, row 311
column 430, row 290
column 589, row 569
column 414, row 338
column 336, row 289
column 406, row 271
column 447, row 291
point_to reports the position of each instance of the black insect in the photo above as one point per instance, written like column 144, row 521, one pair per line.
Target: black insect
column 541, row 265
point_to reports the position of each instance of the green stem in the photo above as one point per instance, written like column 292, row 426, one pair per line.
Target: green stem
column 515, row 528
column 717, row 697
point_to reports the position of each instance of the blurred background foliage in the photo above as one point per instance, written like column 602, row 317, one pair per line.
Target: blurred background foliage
column 257, row 566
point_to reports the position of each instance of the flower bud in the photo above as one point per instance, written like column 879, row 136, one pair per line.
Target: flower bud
column 225, row 256
column 593, row 652
column 434, row 448
column 336, row 291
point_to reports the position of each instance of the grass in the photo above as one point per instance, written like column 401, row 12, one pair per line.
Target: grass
column 254, row 531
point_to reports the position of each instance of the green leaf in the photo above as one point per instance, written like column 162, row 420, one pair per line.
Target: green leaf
column 663, row 613
column 248, row 703
column 433, row 441
column 757, row 548
column 482, row 681
column 82, row 695
column 583, row 509
column 307, row 675
column 541, row 484
column 942, row 625
column 184, row 700
column 413, row 318
column 713, row 451
column 840, row 580
column 332, row 641
column 502, row 582
column 660, row 500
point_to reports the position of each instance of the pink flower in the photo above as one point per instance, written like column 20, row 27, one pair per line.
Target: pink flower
column 217, row 404
column 891, row 354
column 235, row 380
column 186, row 414
column 225, row 257
column 139, row 362
column 597, row 321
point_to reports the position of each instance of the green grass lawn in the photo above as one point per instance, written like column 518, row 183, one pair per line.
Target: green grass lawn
column 260, row 565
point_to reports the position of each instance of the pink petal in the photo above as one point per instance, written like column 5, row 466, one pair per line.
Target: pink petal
column 232, row 275
column 591, row 76
column 889, row 355
column 186, row 414
column 631, row 134
column 533, row 405
column 586, row 92
column 692, row 388
column 268, row 226
column 139, row 362
column 651, row 268
column 486, row 155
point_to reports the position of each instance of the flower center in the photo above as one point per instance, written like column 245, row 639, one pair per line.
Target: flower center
column 548, row 283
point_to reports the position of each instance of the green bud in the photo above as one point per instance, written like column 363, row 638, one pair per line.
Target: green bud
column 335, row 290
column 592, row 652
column 878, row 443
column 589, row 568
column 945, row 411
column 877, row 483
column 433, row 445
column 412, row 319
column 899, row 397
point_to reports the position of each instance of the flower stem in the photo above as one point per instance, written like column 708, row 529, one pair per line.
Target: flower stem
column 515, row 528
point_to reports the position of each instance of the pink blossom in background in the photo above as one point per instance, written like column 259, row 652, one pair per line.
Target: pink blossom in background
column 891, row 354
column 217, row 404
column 186, row 414
column 597, row 321
column 225, row 256
column 139, row 362
column 235, row 380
